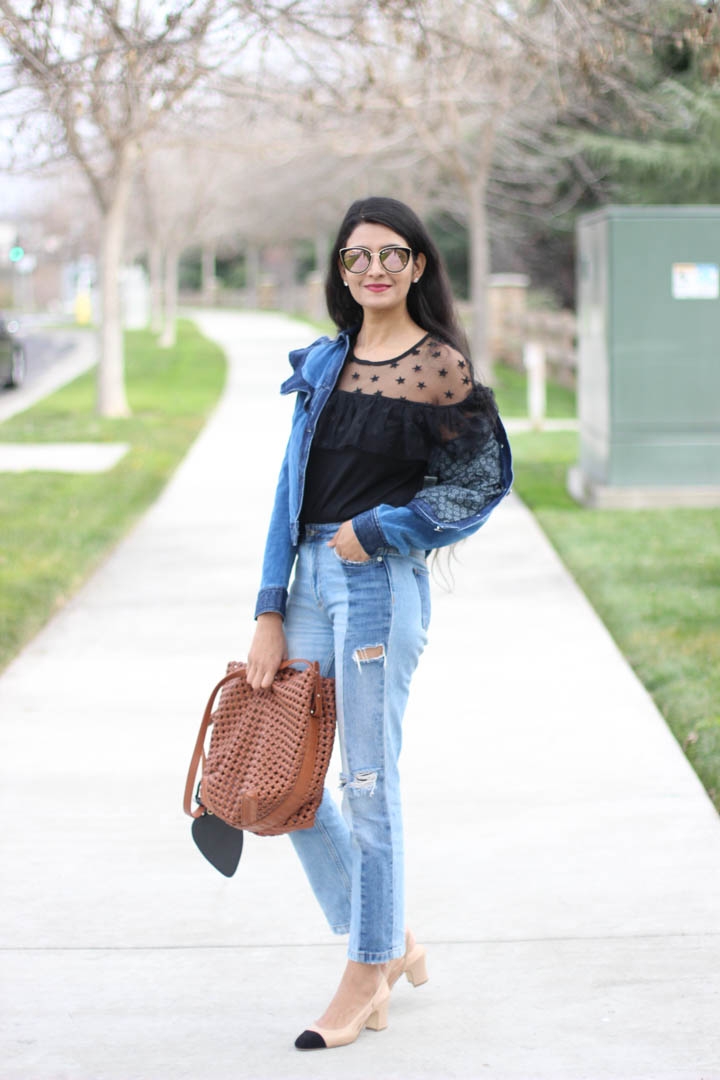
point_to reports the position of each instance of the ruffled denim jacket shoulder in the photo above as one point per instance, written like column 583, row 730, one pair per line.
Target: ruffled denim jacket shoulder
column 459, row 494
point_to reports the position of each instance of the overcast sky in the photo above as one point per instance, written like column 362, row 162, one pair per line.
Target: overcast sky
column 16, row 195
column 9, row 192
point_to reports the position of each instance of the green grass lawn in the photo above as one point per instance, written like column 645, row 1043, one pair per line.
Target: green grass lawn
column 653, row 576
column 510, row 386
column 56, row 527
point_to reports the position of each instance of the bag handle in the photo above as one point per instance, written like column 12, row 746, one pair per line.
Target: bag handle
column 198, row 754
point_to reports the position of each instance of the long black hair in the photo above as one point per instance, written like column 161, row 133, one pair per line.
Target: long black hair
column 429, row 302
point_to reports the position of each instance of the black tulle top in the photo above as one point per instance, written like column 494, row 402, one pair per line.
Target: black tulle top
column 381, row 422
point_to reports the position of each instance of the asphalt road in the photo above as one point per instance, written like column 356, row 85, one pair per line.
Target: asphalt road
column 53, row 358
column 43, row 352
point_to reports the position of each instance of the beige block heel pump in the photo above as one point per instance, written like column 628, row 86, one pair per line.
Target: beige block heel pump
column 373, row 1015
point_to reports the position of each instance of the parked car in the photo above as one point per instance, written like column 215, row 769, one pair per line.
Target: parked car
column 12, row 354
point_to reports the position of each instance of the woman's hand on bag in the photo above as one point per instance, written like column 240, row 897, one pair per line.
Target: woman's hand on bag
column 268, row 650
column 347, row 545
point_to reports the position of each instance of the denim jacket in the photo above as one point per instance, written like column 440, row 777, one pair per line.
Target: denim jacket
column 456, row 499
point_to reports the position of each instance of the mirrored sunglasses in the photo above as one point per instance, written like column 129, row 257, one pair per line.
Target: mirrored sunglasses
column 358, row 259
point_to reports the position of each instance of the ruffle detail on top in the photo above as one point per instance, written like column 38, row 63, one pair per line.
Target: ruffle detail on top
column 406, row 430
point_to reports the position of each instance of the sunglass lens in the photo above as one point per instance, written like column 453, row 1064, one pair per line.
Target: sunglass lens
column 356, row 260
column 394, row 259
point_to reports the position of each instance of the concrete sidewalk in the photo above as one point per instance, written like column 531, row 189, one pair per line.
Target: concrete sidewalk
column 563, row 860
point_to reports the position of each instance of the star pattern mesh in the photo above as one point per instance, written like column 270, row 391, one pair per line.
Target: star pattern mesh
column 405, row 406
column 430, row 373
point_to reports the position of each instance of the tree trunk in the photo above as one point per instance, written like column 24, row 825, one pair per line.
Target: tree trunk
column 287, row 280
column 252, row 274
column 155, row 265
column 209, row 282
column 111, row 398
column 479, row 271
column 172, row 264
column 323, row 244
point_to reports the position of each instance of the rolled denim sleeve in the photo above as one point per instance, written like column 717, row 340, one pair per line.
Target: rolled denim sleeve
column 367, row 530
column 273, row 599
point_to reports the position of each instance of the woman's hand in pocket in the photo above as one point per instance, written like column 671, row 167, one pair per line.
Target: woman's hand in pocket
column 347, row 545
column 268, row 650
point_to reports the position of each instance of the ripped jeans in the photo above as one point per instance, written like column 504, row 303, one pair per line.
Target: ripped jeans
column 366, row 623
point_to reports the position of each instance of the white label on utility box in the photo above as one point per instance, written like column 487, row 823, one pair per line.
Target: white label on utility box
column 695, row 281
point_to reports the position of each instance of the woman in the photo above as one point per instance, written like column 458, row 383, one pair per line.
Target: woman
column 394, row 450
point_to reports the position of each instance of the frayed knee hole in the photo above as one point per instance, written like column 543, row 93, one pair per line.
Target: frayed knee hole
column 363, row 781
column 372, row 652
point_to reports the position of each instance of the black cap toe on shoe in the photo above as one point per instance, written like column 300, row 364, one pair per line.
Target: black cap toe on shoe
column 310, row 1040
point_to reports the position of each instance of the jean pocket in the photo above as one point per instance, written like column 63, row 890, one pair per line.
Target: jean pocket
column 352, row 562
column 422, row 577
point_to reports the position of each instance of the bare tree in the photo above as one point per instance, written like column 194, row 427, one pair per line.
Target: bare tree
column 464, row 101
column 103, row 74
column 450, row 102
column 180, row 200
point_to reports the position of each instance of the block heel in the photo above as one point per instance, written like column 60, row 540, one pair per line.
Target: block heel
column 416, row 966
column 413, row 964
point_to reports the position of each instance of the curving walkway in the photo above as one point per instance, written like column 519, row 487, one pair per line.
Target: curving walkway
column 563, row 860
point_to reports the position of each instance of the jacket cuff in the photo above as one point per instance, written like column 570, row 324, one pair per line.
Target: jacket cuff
column 274, row 599
column 366, row 528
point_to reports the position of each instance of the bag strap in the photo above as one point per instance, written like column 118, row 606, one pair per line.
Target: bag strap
column 199, row 750
column 306, row 770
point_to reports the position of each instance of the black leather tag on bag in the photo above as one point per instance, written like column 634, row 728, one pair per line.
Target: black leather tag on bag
column 220, row 843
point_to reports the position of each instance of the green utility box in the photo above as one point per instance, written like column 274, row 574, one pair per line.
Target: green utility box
column 649, row 357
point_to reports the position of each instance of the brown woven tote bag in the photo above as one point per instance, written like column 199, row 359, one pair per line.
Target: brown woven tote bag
column 269, row 750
